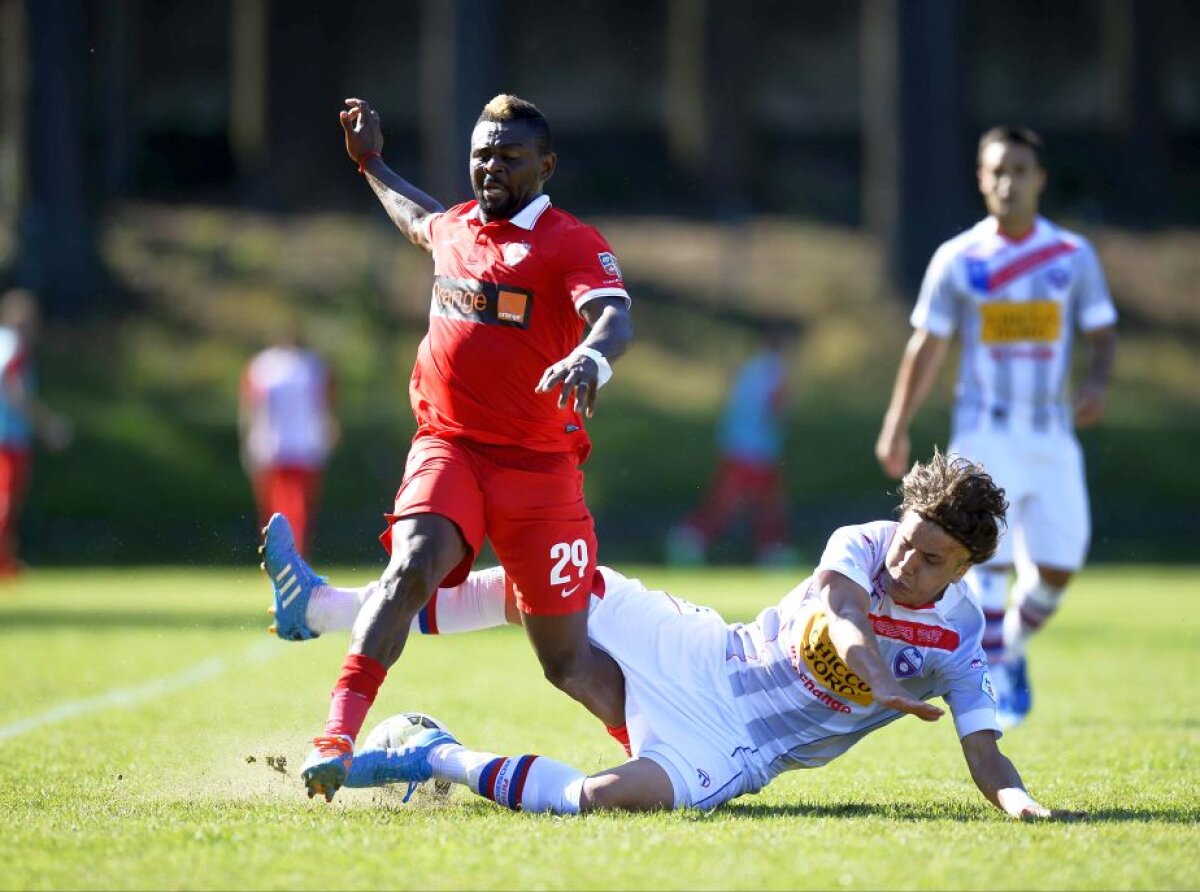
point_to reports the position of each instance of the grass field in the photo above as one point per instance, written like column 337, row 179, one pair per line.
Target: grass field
column 139, row 710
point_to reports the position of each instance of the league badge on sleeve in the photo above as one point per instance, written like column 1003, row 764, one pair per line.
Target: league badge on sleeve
column 609, row 263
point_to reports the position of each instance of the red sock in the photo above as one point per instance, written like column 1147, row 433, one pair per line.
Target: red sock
column 353, row 694
column 621, row 735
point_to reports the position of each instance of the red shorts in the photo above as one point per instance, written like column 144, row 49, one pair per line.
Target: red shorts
column 529, row 504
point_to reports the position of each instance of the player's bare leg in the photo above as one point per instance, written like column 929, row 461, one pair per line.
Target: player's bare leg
column 425, row 548
column 638, row 785
column 576, row 667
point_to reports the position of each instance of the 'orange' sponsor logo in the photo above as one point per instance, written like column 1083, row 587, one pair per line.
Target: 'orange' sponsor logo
column 461, row 300
column 512, row 306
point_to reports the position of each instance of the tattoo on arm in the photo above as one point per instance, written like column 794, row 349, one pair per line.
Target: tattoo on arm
column 404, row 203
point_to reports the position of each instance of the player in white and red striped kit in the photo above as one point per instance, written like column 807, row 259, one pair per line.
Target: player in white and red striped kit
column 718, row 710
column 288, row 429
column 1016, row 288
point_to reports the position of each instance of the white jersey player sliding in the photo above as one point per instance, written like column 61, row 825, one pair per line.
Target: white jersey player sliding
column 718, row 710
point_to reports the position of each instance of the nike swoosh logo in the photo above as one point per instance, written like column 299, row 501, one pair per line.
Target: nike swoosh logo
column 567, row 592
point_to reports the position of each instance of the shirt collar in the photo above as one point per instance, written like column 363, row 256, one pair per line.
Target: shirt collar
column 528, row 215
column 993, row 228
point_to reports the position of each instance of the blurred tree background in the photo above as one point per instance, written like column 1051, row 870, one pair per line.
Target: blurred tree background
column 173, row 186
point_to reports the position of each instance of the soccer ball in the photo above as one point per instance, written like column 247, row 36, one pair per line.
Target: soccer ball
column 394, row 731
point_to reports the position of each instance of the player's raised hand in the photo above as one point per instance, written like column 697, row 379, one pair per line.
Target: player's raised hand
column 360, row 123
column 579, row 376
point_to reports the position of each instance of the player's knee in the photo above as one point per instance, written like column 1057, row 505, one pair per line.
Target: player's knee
column 599, row 794
column 410, row 580
column 566, row 668
column 607, row 792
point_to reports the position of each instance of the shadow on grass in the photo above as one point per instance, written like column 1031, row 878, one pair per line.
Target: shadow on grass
column 896, row 811
column 107, row 620
column 902, row 811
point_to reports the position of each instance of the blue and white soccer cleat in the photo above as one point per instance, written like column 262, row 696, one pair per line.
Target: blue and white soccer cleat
column 1021, row 697
column 327, row 766
column 1013, row 697
column 410, row 763
column 291, row 578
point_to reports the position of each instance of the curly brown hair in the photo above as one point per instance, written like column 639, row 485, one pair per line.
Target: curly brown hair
column 961, row 498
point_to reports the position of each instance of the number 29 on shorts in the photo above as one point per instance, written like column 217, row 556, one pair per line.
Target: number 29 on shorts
column 567, row 555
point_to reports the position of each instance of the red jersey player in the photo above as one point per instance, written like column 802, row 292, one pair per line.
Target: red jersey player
column 497, row 451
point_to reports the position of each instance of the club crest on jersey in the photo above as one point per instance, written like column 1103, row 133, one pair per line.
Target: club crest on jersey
column 908, row 662
column 515, row 252
column 977, row 274
column 609, row 264
column 1058, row 277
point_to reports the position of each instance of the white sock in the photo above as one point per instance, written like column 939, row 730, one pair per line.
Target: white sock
column 525, row 783
column 1034, row 602
column 478, row 603
column 334, row 609
column 990, row 587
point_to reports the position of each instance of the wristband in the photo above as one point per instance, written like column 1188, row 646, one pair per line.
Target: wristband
column 602, row 364
column 364, row 158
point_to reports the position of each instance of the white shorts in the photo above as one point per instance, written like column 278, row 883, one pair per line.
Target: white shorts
column 679, row 704
column 1049, row 521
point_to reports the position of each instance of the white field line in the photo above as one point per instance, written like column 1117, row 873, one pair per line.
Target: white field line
column 259, row 652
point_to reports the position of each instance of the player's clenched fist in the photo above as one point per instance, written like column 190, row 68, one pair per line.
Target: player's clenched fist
column 360, row 123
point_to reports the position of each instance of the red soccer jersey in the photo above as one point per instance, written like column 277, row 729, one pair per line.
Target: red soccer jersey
column 506, row 300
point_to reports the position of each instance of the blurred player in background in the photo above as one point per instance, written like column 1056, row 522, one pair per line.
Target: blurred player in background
column 288, row 429
column 719, row 710
column 1016, row 287
column 749, row 473
column 23, row 417
column 500, row 388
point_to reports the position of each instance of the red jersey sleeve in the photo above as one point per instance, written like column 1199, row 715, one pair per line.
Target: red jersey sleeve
column 428, row 224
column 589, row 268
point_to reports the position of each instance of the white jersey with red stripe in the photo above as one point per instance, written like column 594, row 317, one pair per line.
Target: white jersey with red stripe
column 1017, row 304
column 803, row 706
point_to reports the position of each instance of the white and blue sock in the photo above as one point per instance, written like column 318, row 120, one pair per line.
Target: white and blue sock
column 523, row 783
column 478, row 603
column 990, row 587
column 1034, row 603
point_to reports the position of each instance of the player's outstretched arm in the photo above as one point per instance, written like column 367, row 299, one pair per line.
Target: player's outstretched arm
column 406, row 205
column 998, row 780
column 923, row 358
column 854, row 640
